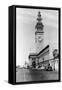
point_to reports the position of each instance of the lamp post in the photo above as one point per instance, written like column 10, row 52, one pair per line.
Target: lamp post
column 55, row 55
column 43, row 61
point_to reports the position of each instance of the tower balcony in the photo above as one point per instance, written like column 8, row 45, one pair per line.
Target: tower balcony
column 39, row 25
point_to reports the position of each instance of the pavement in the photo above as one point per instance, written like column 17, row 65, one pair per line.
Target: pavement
column 25, row 75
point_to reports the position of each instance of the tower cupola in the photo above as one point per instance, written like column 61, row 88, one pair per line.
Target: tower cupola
column 39, row 25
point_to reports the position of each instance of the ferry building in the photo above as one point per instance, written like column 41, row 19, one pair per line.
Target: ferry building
column 42, row 55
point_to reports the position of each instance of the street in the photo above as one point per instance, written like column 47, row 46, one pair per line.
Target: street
column 24, row 75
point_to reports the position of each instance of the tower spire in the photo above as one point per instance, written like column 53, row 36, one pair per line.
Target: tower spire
column 39, row 16
column 39, row 25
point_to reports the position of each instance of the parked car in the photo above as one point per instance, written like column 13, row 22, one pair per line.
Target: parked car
column 48, row 68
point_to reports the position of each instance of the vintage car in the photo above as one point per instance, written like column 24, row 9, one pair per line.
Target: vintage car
column 48, row 68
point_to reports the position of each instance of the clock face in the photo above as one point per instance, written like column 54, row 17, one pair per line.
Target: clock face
column 40, row 39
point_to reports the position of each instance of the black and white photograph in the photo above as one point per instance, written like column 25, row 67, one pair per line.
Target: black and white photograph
column 37, row 45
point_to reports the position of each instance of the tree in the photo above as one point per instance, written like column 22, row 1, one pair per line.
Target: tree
column 55, row 53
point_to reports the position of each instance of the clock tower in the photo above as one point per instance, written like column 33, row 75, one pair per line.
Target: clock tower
column 39, row 33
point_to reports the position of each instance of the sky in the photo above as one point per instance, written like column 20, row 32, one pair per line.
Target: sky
column 25, row 31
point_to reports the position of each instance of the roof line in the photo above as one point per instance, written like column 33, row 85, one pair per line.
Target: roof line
column 40, row 51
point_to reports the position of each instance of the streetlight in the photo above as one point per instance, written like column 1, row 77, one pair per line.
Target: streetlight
column 55, row 55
